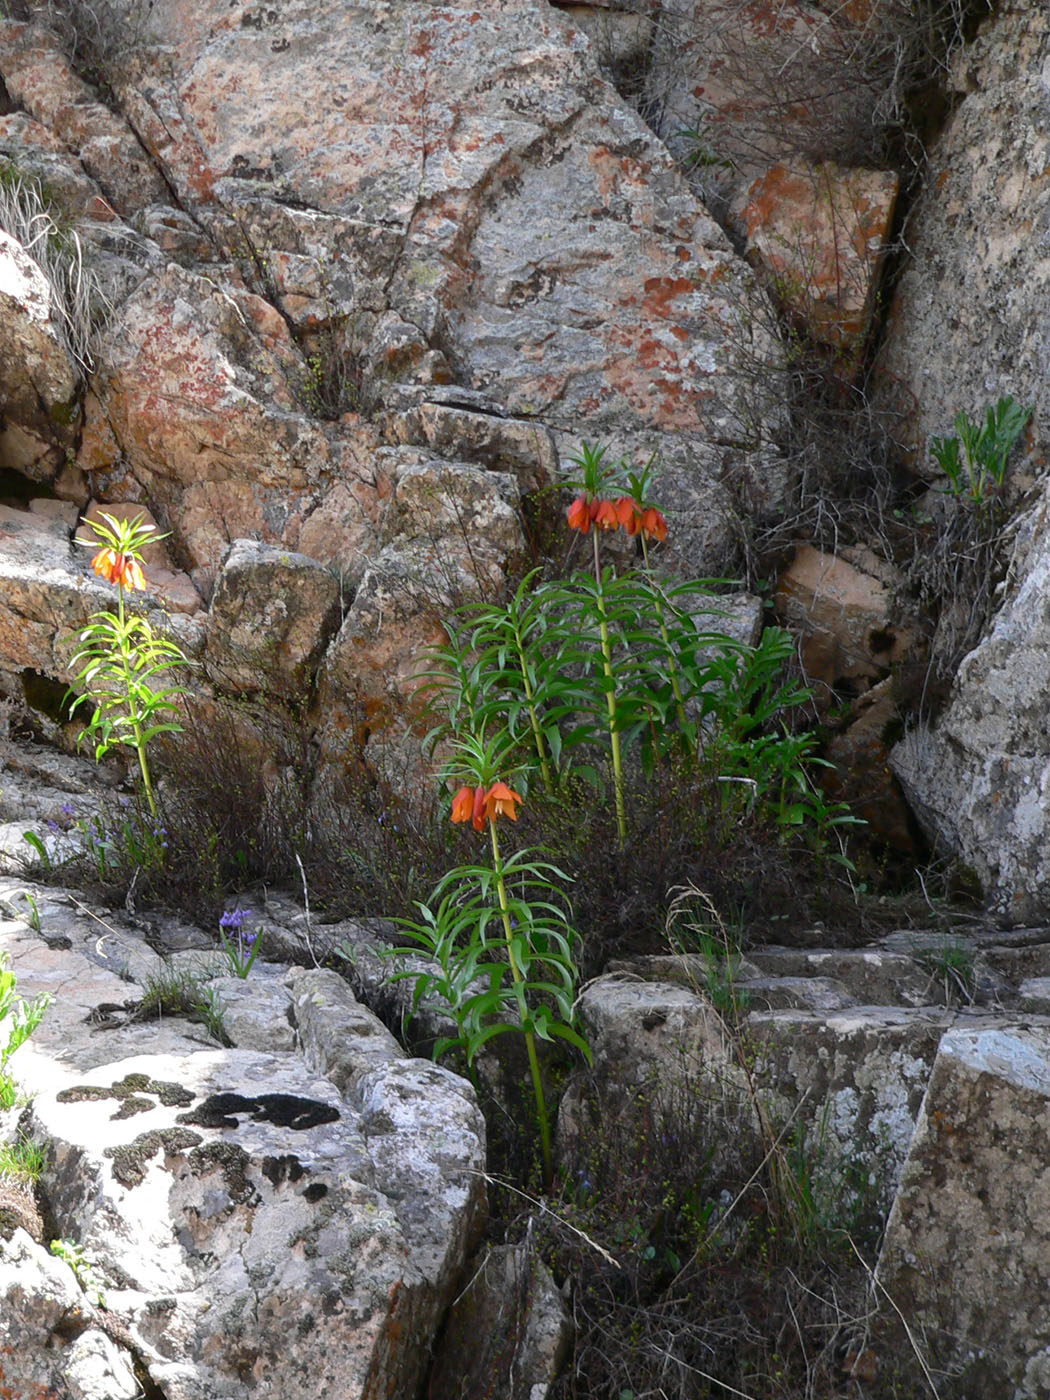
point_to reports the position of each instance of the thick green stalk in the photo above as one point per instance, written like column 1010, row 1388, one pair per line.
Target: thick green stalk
column 530, row 1039
column 610, row 699
column 537, row 732
column 136, row 727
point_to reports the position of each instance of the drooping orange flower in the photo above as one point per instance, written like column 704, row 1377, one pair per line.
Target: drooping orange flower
column 580, row 515
column 654, row 525
column 463, row 805
column 479, row 812
column 500, row 802
column 605, row 517
column 628, row 516
column 121, row 569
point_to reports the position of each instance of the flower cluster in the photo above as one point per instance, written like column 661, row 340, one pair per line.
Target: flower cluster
column 240, row 945
column 119, row 568
column 481, row 804
column 604, row 514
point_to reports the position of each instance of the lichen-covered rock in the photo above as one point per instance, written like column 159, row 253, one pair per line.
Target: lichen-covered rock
column 977, row 778
column 53, row 1343
column 251, row 1226
column 39, row 411
column 272, row 614
column 966, row 323
column 852, row 1083
column 965, row 1257
column 819, row 232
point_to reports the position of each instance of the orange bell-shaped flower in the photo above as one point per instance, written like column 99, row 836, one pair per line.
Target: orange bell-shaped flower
column 580, row 515
column 605, row 517
column 463, row 805
column 654, row 525
column 500, row 802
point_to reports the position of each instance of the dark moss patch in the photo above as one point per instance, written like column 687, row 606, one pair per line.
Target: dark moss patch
column 283, row 1110
column 277, row 1170
column 317, row 1192
column 232, row 1161
column 134, row 1103
column 129, row 1161
column 129, row 1093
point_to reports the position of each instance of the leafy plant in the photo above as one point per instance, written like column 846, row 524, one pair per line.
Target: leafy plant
column 125, row 667
column 21, row 1018
column 500, row 935
column 974, row 461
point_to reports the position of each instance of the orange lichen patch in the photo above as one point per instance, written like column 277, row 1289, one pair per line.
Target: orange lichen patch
column 819, row 233
column 660, row 292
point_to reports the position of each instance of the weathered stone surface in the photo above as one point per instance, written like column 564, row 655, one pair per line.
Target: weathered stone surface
column 340, row 1038
column 846, row 618
column 51, row 1347
column 272, row 614
column 239, row 1187
column 508, row 1332
column 977, row 779
column 736, row 87
column 978, row 273
column 38, row 392
column 852, row 1082
column 965, row 1257
column 39, row 76
column 873, row 977
column 819, row 234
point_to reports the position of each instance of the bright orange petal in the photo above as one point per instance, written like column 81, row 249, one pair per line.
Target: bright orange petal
column 580, row 515
column 605, row 517
column 106, row 565
column 500, row 802
column 463, row 805
column 654, row 524
column 479, row 813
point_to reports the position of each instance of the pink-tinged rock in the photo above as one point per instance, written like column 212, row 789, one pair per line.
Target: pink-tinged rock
column 39, row 75
column 819, row 234
column 845, row 617
column 39, row 412
column 271, row 616
column 471, row 161
column 154, row 553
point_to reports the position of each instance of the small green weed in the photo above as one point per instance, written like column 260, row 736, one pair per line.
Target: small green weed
column 83, row 1264
column 22, row 1019
column 179, row 993
column 954, row 966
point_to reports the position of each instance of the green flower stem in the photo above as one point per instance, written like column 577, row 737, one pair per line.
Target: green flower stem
column 675, row 684
column 534, row 720
column 610, row 700
column 530, row 1039
column 136, row 727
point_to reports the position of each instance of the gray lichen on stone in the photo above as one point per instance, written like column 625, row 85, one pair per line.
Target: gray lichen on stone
column 129, row 1161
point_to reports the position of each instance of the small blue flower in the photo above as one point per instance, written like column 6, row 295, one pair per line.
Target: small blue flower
column 68, row 810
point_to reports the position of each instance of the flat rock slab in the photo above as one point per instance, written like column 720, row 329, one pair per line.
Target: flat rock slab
column 248, row 1220
column 966, row 1257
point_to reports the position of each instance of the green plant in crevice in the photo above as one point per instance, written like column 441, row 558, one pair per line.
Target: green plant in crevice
column 500, row 933
column 974, row 461
column 82, row 1262
column 18, row 1020
column 124, row 667
column 21, row 1161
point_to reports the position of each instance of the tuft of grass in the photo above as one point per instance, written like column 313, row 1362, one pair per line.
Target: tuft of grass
column 180, row 993
column 31, row 217
column 21, row 1162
